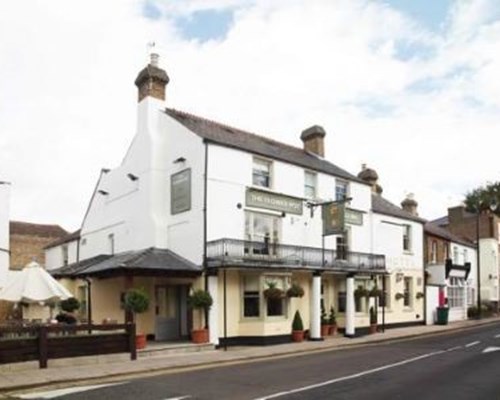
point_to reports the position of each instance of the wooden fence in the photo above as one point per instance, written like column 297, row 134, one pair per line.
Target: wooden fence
column 44, row 342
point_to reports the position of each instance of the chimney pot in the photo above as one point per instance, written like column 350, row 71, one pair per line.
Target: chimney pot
column 152, row 80
column 313, row 140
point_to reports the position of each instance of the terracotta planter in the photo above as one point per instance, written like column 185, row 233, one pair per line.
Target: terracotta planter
column 333, row 329
column 373, row 328
column 297, row 336
column 199, row 335
column 140, row 341
column 325, row 330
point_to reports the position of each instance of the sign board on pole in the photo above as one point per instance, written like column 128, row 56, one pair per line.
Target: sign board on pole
column 333, row 218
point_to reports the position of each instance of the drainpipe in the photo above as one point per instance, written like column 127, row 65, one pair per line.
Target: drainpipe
column 205, row 192
column 225, row 311
column 89, row 304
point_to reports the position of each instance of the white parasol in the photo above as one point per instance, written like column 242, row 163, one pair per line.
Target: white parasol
column 33, row 284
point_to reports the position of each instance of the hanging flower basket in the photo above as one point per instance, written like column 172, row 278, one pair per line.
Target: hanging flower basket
column 399, row 296
column 419, row 295
column 361, row 292
column 273, row 292
column 295, row 290
column 375, row 292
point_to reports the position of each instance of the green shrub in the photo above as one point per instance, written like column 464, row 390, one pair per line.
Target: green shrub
column 295, row 290
column 332, row 318
column 69, row 305
column 297, row 324
column 136, row 301
column 200, row 299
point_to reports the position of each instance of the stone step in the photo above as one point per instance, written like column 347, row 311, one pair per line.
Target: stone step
column 164, row 349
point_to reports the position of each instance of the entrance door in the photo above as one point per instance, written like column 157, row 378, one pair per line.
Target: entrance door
column 171, row 321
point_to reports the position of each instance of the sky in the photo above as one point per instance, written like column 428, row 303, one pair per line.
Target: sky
column 409, row 87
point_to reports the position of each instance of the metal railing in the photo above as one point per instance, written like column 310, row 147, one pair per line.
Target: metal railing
column 235, row 252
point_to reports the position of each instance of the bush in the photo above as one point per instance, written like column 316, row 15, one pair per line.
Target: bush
column 136, row 301
column 297, row 324
column 64, row 318
column 295, row 290
column 332, row 318
column 70, row 305
column 200, row 300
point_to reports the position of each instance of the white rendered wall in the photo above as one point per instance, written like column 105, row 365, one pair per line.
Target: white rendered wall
column 54, row 255
column 4, row 231
column 489, row 269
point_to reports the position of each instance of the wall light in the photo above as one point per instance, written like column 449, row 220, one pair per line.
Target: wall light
column 103, row 192
column 132, row 177
column 179, row 160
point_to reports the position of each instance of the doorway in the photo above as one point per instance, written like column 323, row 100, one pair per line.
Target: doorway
column 171, row 321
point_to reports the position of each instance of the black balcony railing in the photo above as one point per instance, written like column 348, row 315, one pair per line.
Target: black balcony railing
column 244, row 253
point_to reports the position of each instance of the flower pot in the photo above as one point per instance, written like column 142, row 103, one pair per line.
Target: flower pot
column 199, row 335
column 373, row 328
column 140, row 341
column 333, row 329
column 297, row 336
column 325, row 330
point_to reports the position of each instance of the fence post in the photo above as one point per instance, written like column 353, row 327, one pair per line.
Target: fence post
column 42, row 346
column 131, row 341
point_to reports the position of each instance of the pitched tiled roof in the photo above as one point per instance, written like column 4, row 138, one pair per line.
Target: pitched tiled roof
column 42, row 230
column 384, row 206
column 65, row 239
column 434, row 229
column 148, row 260
column 236, row 138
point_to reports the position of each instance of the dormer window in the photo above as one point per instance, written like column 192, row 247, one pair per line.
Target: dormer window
column 261, row 173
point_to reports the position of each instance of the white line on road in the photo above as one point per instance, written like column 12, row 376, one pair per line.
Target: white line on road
column 490, row 349
column 497, row 336
column 178, row 398
column 61, row 392
column 472, row 343
column 354, row 376
column 454, row 348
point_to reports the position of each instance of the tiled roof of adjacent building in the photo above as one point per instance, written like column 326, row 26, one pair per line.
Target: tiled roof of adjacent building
column 260, row 145
column 433, row 229
column 41, row 230
column 151, row 260
column 384, row 206
column 65, row 239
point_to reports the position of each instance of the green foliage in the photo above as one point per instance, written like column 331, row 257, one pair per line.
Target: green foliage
column 324, row 318
column 361, row 292
column 273, row 292
column 136, row 301
column 295, row 290
column 482, row 197
column 297, row 324
column 373, row 316
column 200, row 299
column 375, row 292
column 70, row 305
column 332, row 318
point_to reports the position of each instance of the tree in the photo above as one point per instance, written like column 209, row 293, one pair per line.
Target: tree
column 483, row 196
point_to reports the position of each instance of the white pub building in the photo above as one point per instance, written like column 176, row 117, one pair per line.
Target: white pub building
column 199, row 204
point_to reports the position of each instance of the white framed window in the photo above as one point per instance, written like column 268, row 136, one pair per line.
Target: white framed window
column 466, row 256
column 456, row 293
column 276, row 307
column 310, row 183
column 341, row 189
column 342, row 246
column 434, row 250
column 261, row 173
column 408, row 290
column 407, row 237
column 455, row 255
column 251, row 296
column 65, row 254
column 262, row 228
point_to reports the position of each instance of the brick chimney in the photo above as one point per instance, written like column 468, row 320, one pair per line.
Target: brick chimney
column 313, row 140
column 410, row 205
column 152, row 80
column 370, row 176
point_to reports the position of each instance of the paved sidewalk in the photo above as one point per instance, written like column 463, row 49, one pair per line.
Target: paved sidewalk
column 121, row 368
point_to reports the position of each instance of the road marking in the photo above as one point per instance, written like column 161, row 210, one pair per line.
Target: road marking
column 472, row 343
column 490, row 349
column 178, row 398
column 454, row 348
column 497, row 336
column 61, row 392
column 353, row 376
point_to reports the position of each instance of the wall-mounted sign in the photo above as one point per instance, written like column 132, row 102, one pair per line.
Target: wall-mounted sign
column 273, row 201
column 180, row 192
column 353, row 217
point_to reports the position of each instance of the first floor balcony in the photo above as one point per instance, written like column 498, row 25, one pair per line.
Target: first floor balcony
column 251, row 254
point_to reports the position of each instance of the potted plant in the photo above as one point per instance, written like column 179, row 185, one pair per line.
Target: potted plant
column 295, row 290
column 137, row 301
column 373, row 320
column 272, row 291
column 332, row 319
column 200, row 300
column 325, row 325
column 68, row 307
column 297, row 328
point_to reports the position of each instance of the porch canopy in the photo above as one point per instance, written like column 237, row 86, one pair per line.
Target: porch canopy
column 148, row 262
column 33, row 284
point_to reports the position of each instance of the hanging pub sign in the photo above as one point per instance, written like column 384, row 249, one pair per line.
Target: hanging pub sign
column 180, row 192
column 273, row 201
column 333, row 218
column 337, row 215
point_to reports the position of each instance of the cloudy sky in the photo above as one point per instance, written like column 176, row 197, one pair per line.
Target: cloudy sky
column 409, row 87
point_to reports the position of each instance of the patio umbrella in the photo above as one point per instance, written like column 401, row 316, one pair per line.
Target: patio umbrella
column 33, row 284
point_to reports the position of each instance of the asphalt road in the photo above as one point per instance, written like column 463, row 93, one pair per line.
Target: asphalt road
column 460, row 365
